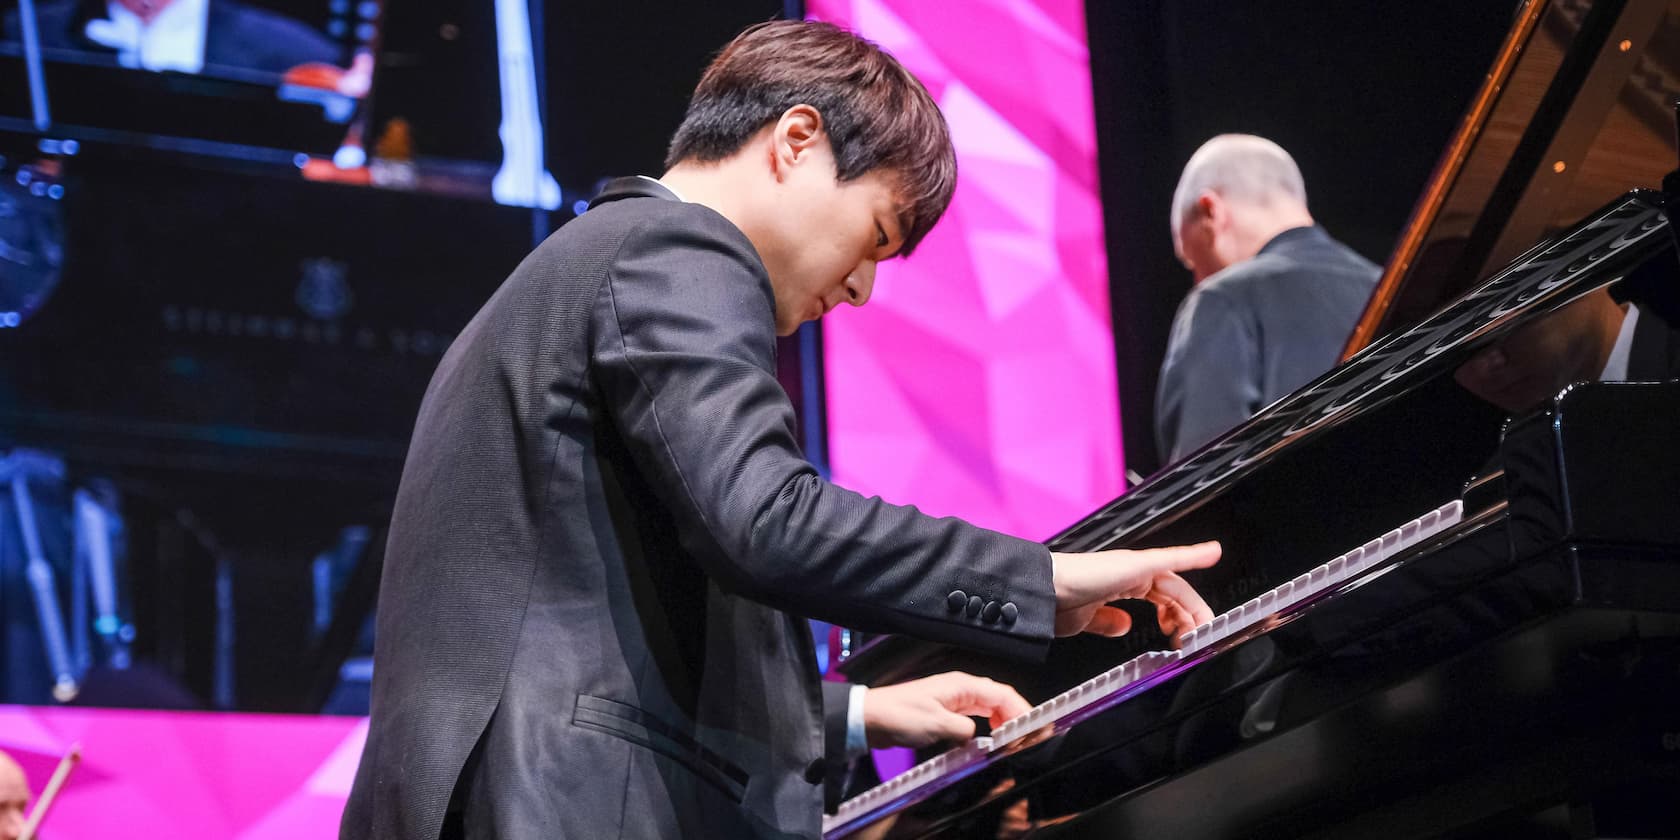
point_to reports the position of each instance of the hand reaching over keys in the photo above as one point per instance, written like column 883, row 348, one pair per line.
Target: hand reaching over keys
column 1086, row 583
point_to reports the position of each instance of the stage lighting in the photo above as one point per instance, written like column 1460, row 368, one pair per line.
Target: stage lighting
column 31, row 243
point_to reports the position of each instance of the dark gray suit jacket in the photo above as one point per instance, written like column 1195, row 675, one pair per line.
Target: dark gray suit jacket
column 1255, row 332
column 603, row 532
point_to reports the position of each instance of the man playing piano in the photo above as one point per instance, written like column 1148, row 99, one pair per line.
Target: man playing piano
column 605, row 528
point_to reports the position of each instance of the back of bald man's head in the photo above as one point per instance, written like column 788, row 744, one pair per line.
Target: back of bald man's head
column 1242, row 169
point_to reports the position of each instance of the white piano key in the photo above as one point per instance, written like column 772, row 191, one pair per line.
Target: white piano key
column 1286, row 596
column 1428, row 522
column 1337, row 570
column 1249, row 611
column 1439, row 520
column 1356, row 560
column 1369, row 553
column 1390, row 542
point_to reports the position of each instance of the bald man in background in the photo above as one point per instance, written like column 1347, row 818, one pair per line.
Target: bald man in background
column 14, row 798
column 1275, row 297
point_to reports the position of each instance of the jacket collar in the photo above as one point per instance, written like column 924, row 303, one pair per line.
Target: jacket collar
column 632, row 187
column 1297, row 235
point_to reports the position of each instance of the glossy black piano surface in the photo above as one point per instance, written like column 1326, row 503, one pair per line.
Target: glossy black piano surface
column 1525, row 659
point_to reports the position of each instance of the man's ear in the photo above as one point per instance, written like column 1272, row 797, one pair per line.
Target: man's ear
column 796, row 135
column 1210, row 206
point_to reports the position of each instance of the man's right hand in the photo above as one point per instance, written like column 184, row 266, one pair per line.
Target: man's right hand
column 1086, row 583
column 937, row 708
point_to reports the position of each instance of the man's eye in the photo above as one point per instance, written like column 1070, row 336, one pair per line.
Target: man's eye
column 881, row 237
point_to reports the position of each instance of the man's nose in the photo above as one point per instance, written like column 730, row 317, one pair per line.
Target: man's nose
column 860, row 283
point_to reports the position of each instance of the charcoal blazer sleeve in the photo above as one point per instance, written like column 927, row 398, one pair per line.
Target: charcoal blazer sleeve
column 683, row 351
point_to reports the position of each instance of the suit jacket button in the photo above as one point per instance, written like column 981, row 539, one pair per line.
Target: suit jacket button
column 992, row 612
column 974, row 605
column 1010, row 612
column 955, row 601
column 814, row 771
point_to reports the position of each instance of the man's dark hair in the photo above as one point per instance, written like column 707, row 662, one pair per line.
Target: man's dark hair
column 877, row 116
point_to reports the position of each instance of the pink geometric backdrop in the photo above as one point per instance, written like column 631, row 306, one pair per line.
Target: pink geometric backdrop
column 979, row 381
column 200, row 775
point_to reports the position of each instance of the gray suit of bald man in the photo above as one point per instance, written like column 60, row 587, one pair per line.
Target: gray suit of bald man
column 1275, row 296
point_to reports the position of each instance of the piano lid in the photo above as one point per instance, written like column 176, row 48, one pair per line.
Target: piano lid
column 1577, row 109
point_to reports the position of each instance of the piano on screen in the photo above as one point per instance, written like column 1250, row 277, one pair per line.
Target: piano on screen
column 1432, row 619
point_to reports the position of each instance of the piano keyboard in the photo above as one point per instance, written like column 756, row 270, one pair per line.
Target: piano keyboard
column 1108, row 684
column 1322, row 579
column 1118, row 683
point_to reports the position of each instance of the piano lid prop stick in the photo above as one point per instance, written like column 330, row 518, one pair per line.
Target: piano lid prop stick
column 44, row 804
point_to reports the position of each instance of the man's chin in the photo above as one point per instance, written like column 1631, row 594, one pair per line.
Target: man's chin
column 788, row 326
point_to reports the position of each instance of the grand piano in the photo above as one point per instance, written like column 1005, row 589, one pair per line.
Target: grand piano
column 1435, row 619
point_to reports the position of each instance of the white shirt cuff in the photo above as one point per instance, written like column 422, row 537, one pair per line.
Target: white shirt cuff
column 857, row 739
